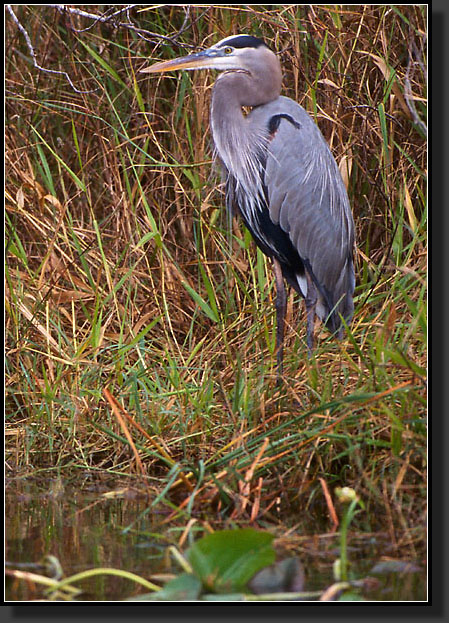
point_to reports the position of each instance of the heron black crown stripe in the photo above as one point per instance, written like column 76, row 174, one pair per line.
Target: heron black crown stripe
column 242, row 41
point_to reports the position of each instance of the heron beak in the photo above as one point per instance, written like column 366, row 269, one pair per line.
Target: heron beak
column 204, row 59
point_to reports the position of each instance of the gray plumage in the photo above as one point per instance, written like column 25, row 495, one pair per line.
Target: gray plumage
column 307, row 198
column 282, row 178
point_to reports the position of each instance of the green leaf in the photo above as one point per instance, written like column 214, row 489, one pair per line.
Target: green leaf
column 351, row 596
column 224, row 597
column 74, row 177
column 205, row 308
column 146, row 238
column 225, row 561
column 185, row 587
column 101, row 61
column 210, row 291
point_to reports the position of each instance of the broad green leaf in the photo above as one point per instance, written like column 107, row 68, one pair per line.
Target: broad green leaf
column 224, row 597
column 350, row 596
column 185, row 587
column 225, row 561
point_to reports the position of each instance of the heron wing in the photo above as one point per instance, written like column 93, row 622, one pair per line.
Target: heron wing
column 308, row 200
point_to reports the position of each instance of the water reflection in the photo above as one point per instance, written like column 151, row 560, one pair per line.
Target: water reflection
column 106, row 523
column 83, row 528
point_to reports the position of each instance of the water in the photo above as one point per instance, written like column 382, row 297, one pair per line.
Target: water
column 83, row 528
column 96, row 524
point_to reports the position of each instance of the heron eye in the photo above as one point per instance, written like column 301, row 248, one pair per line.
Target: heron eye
column 228, row 50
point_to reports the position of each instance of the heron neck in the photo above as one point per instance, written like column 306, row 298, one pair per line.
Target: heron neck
column 234, row 141
column 227, row 118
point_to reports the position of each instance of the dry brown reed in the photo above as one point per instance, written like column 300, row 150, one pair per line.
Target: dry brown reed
column 121, row 274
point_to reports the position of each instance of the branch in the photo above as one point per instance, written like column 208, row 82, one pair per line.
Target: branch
column 413, row 50
column 105, row 18
column 33, row 54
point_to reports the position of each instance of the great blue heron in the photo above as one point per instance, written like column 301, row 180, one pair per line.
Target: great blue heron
column 282, row 178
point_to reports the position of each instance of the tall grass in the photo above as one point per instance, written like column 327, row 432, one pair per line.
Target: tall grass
column 123, row 275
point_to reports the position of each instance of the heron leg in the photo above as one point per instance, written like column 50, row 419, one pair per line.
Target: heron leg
column 310, row 301
column 281, row 305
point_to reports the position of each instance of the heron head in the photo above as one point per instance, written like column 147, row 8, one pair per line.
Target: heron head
column 235, row 53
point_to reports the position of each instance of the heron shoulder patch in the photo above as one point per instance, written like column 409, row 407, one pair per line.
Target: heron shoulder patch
column 275, row 120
